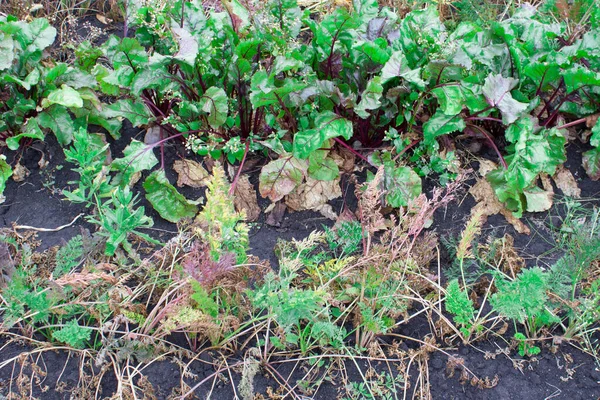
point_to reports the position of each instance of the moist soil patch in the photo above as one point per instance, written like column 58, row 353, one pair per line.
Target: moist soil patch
column 561, row 370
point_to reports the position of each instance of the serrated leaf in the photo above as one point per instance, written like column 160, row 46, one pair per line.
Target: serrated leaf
column 166, row 200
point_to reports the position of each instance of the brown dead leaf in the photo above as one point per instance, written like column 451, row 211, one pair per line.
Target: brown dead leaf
column 488, row 204
column 313, row 194
column 344, row 159
column 276, row 215
column 566, row 182
column 244, row 198
column 592, row 120
column 43, row 163
column 486, row 166
column 190, row 173
column 103, row 19
column 20, row 173
column 327, row 211
column 546, row 183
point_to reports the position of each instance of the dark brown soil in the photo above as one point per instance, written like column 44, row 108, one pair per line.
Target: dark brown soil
column 562, row 372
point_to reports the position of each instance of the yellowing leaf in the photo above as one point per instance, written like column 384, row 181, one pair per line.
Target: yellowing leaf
column 190, row 173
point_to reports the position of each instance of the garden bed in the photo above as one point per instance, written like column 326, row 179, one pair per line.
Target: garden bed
column 300, row 200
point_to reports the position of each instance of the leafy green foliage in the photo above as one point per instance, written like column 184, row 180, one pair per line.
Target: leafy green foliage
column 536, row 151
column 5, row 173
column 525, row 299
column 68, row 257
column 89, row 152
column 525, row 348
column 118, row 217
column 73, row 334
column 460, row 306
column 41, row 95
column 346, row 238
column 170, row 204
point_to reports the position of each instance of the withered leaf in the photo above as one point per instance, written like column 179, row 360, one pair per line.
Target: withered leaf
column 489, row 204
column 313, row 194
column 245, row 198
column 190, row 173
column 280, row 177
column 566, row 182
column 276, row 215
column 20, row 172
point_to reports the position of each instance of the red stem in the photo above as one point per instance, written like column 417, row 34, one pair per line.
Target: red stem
column 356, row 153
column 573, row 123
column 239, row 171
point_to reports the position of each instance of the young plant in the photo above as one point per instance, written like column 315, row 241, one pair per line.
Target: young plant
column 119, row 217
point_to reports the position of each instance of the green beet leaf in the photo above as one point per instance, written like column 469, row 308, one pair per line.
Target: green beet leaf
column 370, row 99
column 136, row 112
column 166, row 200
column 214, row 102
column 591, row 163
column 321, row 167
column 32, row 130
column 65, row 96
column 402, row 185
column 450, row 98
column 5, row 173
column 496, row 90
column 7, row 55
column 328, row 125
column 441, row 124
column 137, row 157
column 57, row 119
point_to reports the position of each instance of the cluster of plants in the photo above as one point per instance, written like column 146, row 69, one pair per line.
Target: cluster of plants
column 560, row 302
column 306, row 91
column 272, row 78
